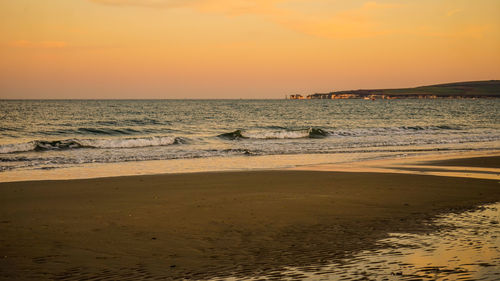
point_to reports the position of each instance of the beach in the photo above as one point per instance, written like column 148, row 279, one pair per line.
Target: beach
column 218, row 224
column 250, row 140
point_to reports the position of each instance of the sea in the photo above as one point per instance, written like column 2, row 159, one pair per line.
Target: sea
column 46, row 139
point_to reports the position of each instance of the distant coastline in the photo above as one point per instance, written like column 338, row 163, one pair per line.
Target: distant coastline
column 459, row 90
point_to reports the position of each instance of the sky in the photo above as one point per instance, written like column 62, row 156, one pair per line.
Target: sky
column 162, row 49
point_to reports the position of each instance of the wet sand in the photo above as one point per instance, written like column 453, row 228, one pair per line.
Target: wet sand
column 205, row 225
column 479, row 165
column 465, row 246
column 484, row 162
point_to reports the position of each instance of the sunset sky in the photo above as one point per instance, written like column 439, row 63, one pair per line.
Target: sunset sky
column 241, row 48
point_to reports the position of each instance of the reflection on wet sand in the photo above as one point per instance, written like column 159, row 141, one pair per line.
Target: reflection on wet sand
column 434, row 165
column 466, row 246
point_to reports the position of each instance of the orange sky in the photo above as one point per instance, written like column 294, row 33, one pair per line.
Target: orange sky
column 240, row 48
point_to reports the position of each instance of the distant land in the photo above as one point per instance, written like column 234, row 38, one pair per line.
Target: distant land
column 458, row 90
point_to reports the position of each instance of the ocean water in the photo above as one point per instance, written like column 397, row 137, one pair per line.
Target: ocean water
column 52, row 135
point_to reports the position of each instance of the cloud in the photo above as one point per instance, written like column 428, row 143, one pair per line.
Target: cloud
column 359, row 22
column 337, row 28
column 146, row 3
column 372, row 5
column 339, row 24
column 39, row 44
column 471, row 31
column 453, row 12
column 238, row 7
column 233, row 7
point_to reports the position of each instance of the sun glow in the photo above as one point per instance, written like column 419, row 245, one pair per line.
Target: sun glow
column 240, row 49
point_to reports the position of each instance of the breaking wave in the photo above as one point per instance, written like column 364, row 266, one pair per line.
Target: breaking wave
column 313, row 133
column 275, row 134
column 42, row 145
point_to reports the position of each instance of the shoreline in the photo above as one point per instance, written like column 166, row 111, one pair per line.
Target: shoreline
column 341, row 163
column 479, row 165
column 207, row 225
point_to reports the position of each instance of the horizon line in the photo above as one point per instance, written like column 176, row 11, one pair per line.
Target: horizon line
column 271, row 98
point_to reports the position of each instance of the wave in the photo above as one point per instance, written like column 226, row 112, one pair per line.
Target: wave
column 232, row 135
column 275, row 134
column 8, row 129
column 133, row 122
column 42, row 145
column 317, row 133
column 133, row 142
column 402, row 130
column 102, row 131
column 121, row 131
column 92, row 131
column 438, row 127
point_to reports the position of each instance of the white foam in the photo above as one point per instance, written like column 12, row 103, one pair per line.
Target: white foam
column 17, row 147
column 282, row 134
column 91, row 143
column 128, row 143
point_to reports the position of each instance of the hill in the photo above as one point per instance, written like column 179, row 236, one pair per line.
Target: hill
column 460, row 89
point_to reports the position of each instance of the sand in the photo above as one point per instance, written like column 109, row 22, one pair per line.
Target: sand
column 203, row 225
column 479, row 165
column 485, row 162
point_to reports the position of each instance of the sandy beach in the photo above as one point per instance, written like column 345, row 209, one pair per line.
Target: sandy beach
column 204, row 225
column 250, row 140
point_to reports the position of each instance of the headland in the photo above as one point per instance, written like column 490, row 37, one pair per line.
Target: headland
column 459, row 90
